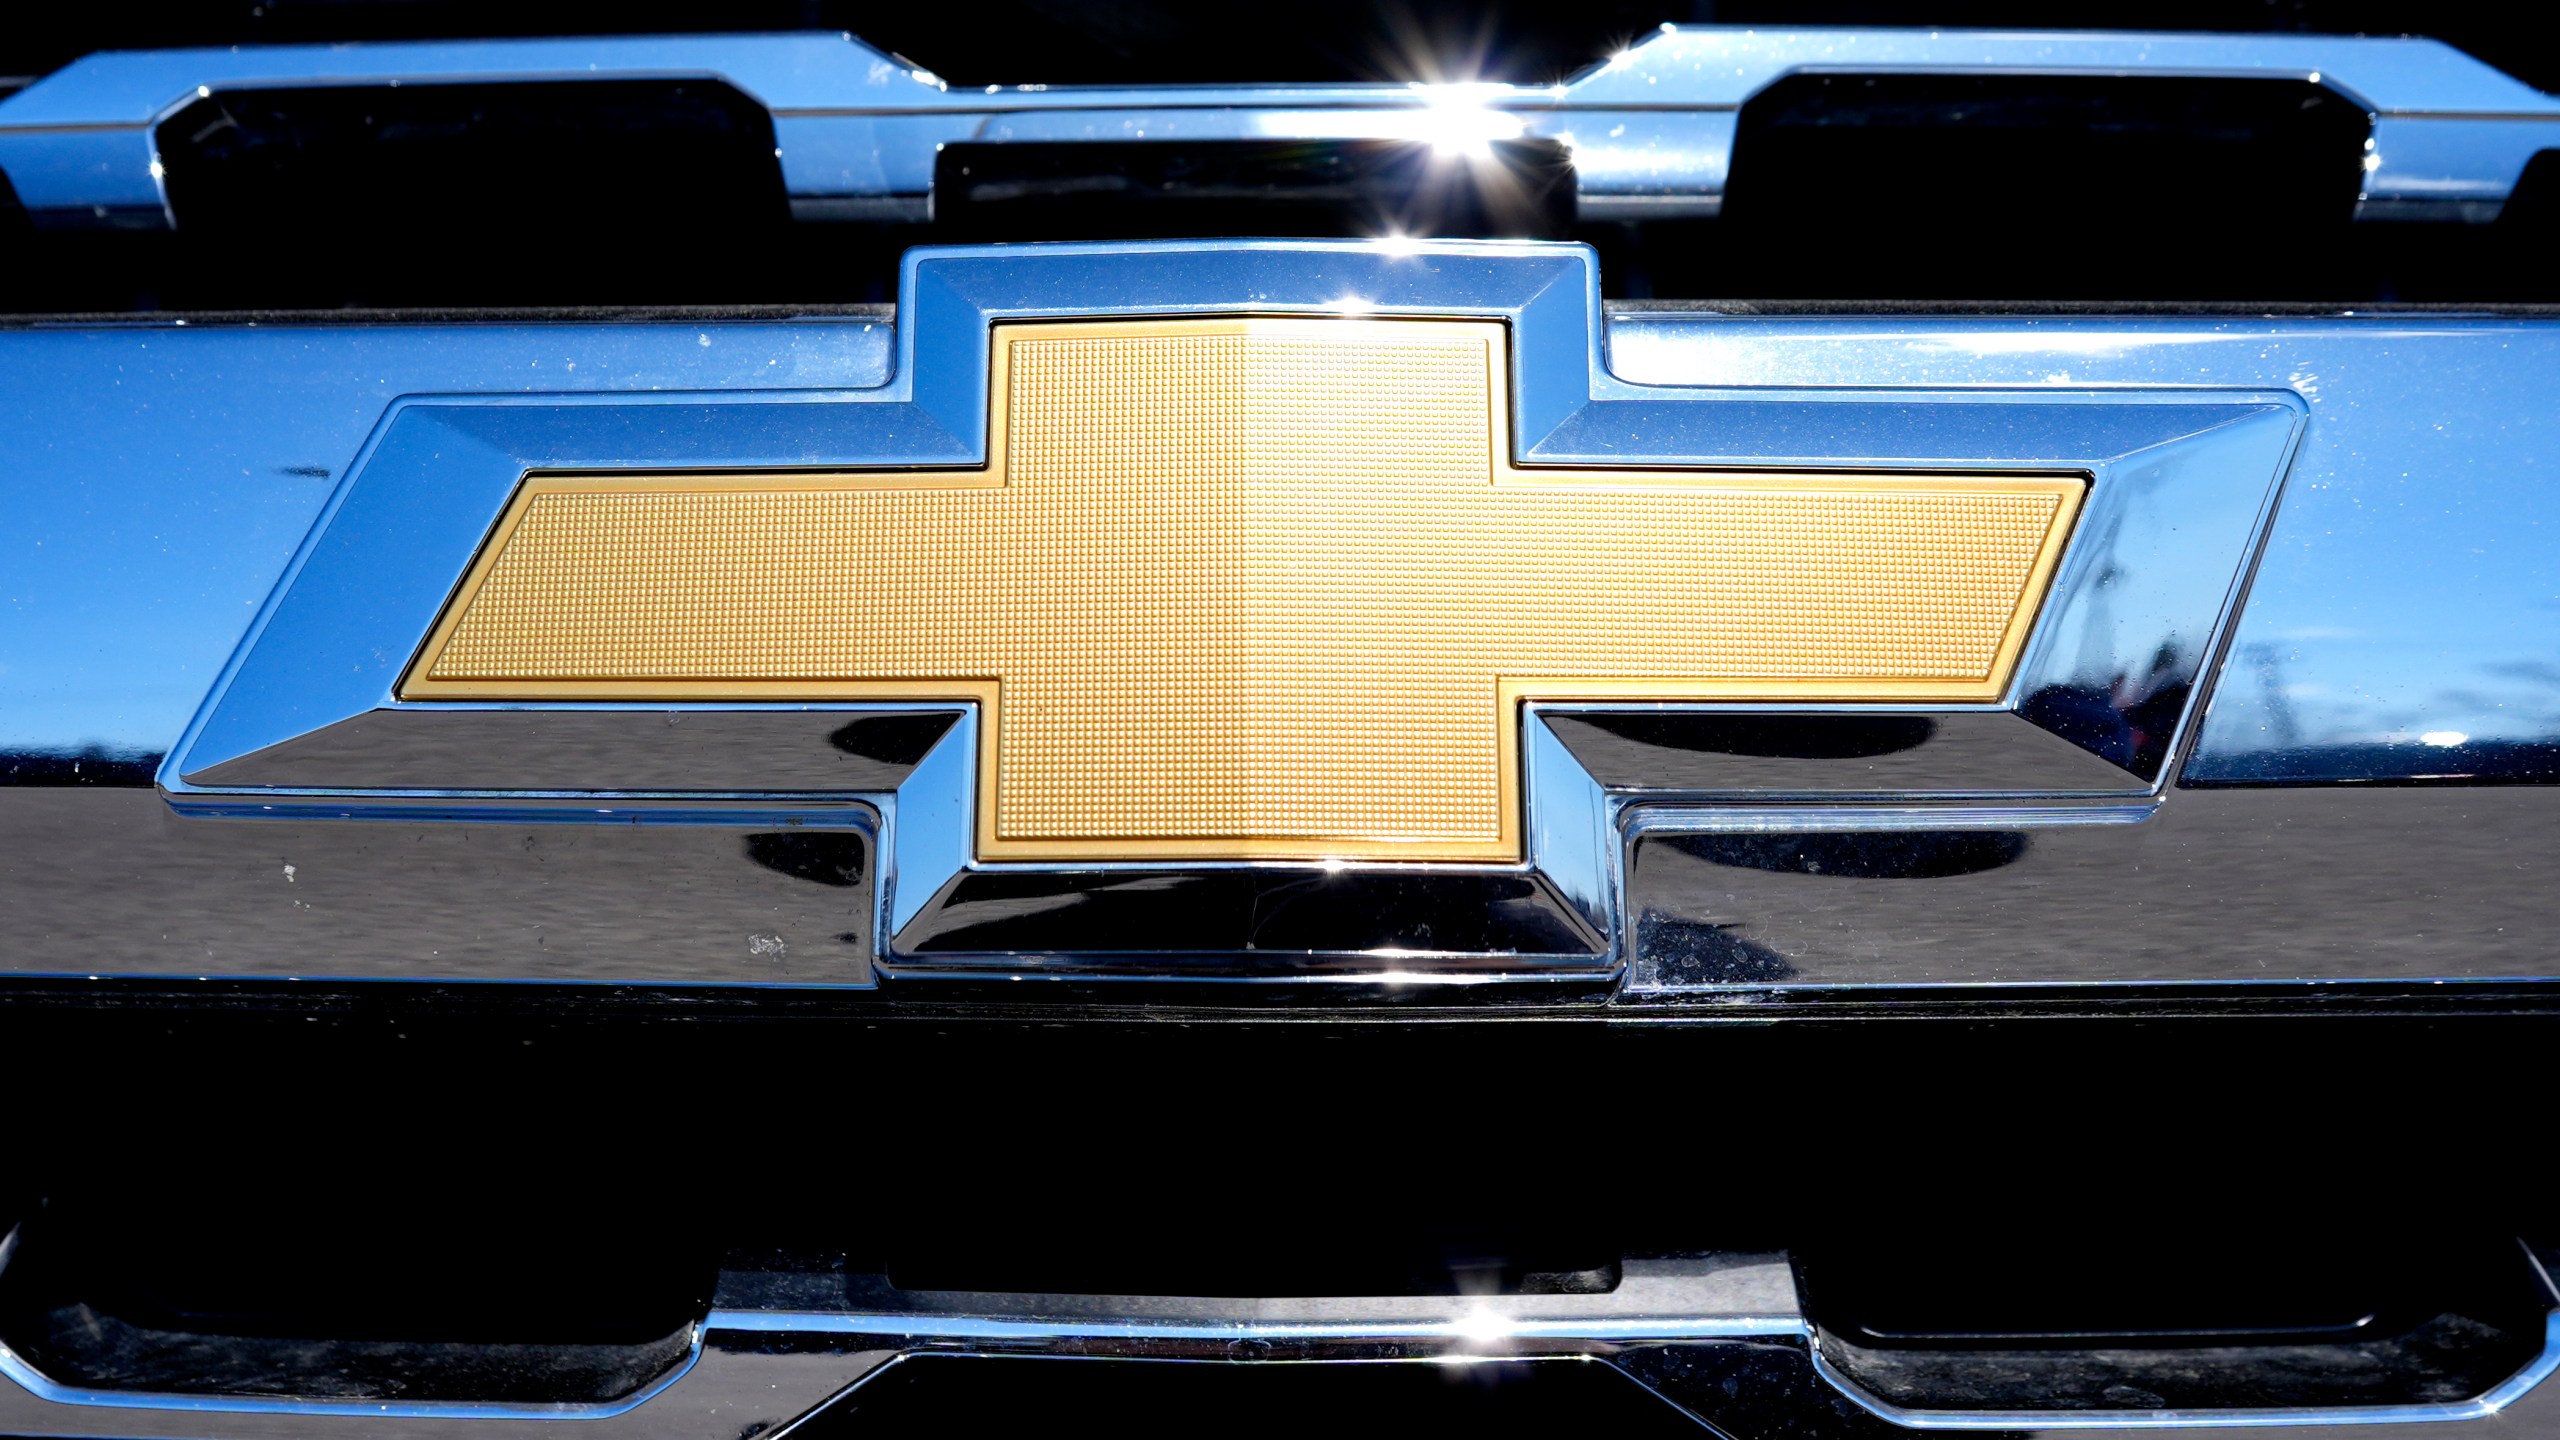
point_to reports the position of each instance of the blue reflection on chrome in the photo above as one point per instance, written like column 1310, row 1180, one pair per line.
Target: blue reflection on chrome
column 161, row 474
column 1652, row 129
column 2410, row 592
column 2405, row 619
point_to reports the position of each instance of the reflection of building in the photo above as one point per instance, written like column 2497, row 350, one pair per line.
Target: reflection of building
column 2265, row 660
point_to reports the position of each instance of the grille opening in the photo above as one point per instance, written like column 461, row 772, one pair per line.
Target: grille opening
column 523, row 191
column 445, row 1174
column 2532, row 213
column 941, row 1395
column 1122, row 190
column 1178, row 1257
column 374, row 1293
column 1916, row 185
column 2120, row 1318
column 1898, row 208
column 1847, row 190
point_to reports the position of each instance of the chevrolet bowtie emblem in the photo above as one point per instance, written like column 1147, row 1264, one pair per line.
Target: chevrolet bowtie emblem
column 1251, row 588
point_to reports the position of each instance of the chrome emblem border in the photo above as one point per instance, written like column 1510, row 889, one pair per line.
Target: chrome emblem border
column 2181, row 484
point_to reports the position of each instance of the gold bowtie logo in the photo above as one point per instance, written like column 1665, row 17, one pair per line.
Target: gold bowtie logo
column 1251, row 589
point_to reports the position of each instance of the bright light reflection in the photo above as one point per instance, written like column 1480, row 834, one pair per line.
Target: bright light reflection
column 1350, row 305
column 2443, row 738
column 1396, row 242
column 1483, row 1326
column 1455, row 120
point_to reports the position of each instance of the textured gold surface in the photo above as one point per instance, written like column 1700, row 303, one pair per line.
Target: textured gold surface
column 1240, row 588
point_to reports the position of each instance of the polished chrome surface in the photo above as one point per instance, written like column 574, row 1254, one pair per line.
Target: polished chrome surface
column 104, row 882
column 619, row 749
column 167, row 470
column 2400, row 622
column 14, row 1368
column 2397, row 628
column 2179, row 485
column 2403, row 596
column 1651, row 131
column 2492, row 1402
column 2214, row 889
column 1742, row 753
column 1721, row 1335
column 1251, row 589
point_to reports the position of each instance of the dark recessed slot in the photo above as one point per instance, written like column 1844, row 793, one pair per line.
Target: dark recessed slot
column 2532, row 211
column 2128, row 1322
column 1135, row 190
column 2008, row 185
column 353, row 1296
column 1158, row 42
column 976, row 1395
column 433, row 191
column 1893, row 855
column 1315, row 1258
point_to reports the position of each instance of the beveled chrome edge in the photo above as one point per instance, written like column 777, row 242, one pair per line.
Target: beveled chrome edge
column 1566, row 408
column 1486, row 1326
column 1569, row 829
column 2489, row 1402
column 1744, row 818
column 15, row 1368
column 1467, row 1330
column 834, row 810
column 2482, row 1406
column 1560, row 379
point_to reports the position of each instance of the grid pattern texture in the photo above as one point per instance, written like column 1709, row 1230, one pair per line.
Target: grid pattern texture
column 1257, row 587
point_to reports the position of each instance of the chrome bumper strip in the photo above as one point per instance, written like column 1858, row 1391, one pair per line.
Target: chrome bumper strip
column 2493, row 1402
column 1717, row 1335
